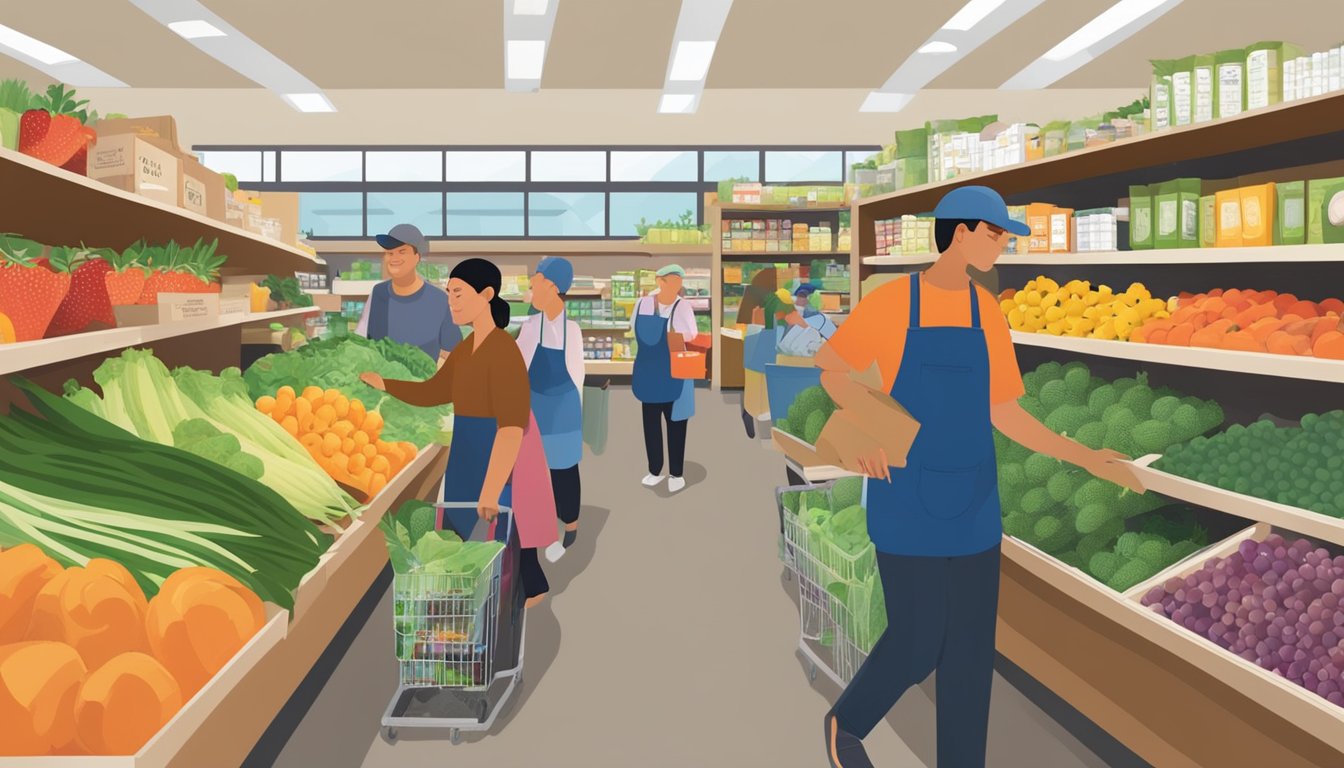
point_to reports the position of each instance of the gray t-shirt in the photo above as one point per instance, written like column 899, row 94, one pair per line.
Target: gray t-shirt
column 421, row 319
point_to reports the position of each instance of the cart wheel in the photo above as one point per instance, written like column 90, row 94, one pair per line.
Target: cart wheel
column 812, row 672
column 455, row 737
column 390, row 734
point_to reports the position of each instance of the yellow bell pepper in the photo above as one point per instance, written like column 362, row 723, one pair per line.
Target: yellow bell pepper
column 7, row 335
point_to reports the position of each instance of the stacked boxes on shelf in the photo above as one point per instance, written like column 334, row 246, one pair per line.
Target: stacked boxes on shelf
column 909, row 235
column 1098, row 229
column 776, row 236
column 755, row 193
column 363, row 269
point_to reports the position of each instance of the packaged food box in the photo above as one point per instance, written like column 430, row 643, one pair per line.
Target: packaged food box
column 1159, row 93
column 1227, row 210
column 1317, row 200
column 1140, row 218
column 1061, row 230
column 1230, row 95
column 1264, row 72
column 1176, row 210
column 1182, row 91
column 1015, row 244
column 132, row 164
column 1332, row 213
column 1208, row 222
column 1203, row 78
column 202, row 190
column 1257, row 214
column 1038, row 219
column 1290, row 223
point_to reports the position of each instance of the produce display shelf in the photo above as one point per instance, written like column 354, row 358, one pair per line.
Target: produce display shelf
column 526, row 247
column 1273, row 254
column 610, row 367
column 759, row 207
column 1252, row 130
column 1107, row 656
column 904, row 260
column 353, row 287
column 781, row 257
column 37, row 199
column 1291, row 518
column 35, row 354
column 1261, row 363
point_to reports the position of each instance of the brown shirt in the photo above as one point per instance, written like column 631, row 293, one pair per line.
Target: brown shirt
column 490, row 382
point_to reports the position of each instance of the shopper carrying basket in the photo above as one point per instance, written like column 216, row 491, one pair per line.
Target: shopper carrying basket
column 486, row 381
column 664, row 396
column 946, row 356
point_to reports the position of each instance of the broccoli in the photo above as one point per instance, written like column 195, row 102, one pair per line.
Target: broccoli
column 1035, row 407
column 1032, row 382
column 1072, row 559
column 1012, row 476
column 1103, row 565
column 1050, row 370
column 1128, row 545
column 419, row 517
column 1068, row 419
column 1100, row 540
column 1092, row 434
column 1060, row 486
column 1036, row 502
column 783, row 425
column 1182, row 550
column 1050, row 535
column 1210, row 415
column 1154, row 552
column 1077, row 381
column 1131, row 573
column 1070, row 367
column 816, row 420
column 1139, row 399
column 1185, row 422
column 1152, row 436
column 1094, row 491
column 1039, row 467
column 1165, row 407
column 1093, row 517
column 1054, row 394
column 1102, row 398
column 1017, row 525
column 1113, row 411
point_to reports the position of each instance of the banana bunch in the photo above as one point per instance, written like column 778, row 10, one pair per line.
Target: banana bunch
column 1077, row 309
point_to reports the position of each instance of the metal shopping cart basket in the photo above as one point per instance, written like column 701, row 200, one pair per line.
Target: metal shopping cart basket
column 459, row 642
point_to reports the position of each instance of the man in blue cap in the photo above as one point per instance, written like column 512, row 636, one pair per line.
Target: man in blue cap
column 944, row 352
column 404, row 307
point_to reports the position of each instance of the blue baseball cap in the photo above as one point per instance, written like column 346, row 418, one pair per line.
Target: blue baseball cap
column 979, row 204
column 558, row 270
column 806, row 289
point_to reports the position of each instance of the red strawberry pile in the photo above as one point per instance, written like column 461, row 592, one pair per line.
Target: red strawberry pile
column 86, row 307
column 55, row 130
column 126, row 280
column 174, row 269
column 30, row 291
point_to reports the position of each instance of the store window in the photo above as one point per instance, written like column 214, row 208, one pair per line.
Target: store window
column 246, row 166
column 796, row 167
column 485, row 214
column 566, row 214
column 486, row 166
column 628, row 208
column 423, row 209
column 732, row 165
column 332, row 214
column 654, row 166
column 308, row 165
column 569, row 166
column 403, row 166
column 268, row 164
column 851, row 158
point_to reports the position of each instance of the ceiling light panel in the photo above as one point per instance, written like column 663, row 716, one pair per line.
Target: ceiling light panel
column 1111, row 27
column 970, row 27
column 699, row 25
column 53, row 61
column 235, row 50
column 677, row 103
column 690, row 60
column 527, row 37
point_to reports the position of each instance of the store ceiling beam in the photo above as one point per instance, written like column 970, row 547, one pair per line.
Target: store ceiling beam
column 974, row 24
column 699, row 26
column 53, row 61
column 223, row 42
column 527, row 39
column 1108, row 29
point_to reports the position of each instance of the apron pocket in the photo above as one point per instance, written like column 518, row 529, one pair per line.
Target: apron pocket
column 948, row 492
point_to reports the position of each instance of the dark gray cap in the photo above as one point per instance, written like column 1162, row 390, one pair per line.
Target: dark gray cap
column 404, row 234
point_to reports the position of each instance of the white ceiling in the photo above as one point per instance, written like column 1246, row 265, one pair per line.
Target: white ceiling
column 625, row 44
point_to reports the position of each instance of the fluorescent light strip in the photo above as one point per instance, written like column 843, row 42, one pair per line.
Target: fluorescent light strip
column 236, row 51
column 690, row 61
column 525, row 59
column 529, row 7
column 527, row 38
column 53, row 61
column 969, row 28
column 699, row 24
column 677, row 103
column 1112, row 26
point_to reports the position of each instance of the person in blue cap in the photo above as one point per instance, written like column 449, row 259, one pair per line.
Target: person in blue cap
column 404, row 307
column 802, row 303
column 944, row 352
column 552, row 347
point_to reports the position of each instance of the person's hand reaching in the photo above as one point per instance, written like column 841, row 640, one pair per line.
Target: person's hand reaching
column 373, row 380
column 1115, row 467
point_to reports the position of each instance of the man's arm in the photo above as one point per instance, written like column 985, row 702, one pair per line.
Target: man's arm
column 1017, row 425
column 837, row 378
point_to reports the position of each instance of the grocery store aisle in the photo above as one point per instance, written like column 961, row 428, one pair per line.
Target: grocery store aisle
column 670, row 640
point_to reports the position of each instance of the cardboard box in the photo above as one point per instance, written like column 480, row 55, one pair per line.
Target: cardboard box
column 1290, row 221
column 1038, row 218
column 1141, row 228
column 131, row 315
column 1177, row 214
column 1317, row 200
column 876, row 422
column 283, row 207
column 234, row 305
column 132, row 164
column 202, row 190
column 161, row 131
column 177, row 307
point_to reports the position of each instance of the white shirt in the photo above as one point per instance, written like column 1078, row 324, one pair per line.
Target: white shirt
column 683, row 322
column 536, row 329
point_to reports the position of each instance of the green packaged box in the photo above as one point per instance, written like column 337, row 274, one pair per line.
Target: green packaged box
column 1208, row 221
column 1264, row 72
column 1176, row 212
column 1159, row 94
column 1332, row 212
column 1182, row 91
column 1055, row 138
column 1290, row 225
column 1140, row 218
column 1230, row 82
column 912, row 143
column 1204, row 67
column 1317, row 200
column 911, row 172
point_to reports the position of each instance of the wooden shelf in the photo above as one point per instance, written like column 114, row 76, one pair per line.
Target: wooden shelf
column 1261, row 363
column 57, row 207
column 762, row 207
column 1256, row 130
column 610, row 367
column 1295, row 519
column 913, row 260
column 35, row 354
column 525, row 247
column 1275, row 254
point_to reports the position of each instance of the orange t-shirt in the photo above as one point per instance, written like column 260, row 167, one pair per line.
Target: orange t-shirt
column 875, row 332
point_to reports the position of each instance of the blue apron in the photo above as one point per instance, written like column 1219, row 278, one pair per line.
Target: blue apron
column 468, row 459
column 761, row 349
column 555, row 402
column 945, row 501
column 652, row 381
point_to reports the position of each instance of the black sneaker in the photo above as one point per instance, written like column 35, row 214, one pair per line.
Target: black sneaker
column 847, row 746
column 749, row 423
column 570, row 537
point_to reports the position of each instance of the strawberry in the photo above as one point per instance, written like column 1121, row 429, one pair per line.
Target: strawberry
column 79, row 162
column 33, row 127
column 30, row 292
column 55, row 129
column 86, row 306
column 127, row 279
column 182, row 270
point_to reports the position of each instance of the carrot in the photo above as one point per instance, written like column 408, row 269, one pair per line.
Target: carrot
column 38, row 684
column 312, row 394
column 1306, row 309
column 1323, row 326
column 1283, row 301
column 1248, row 316
column 1241, row 341
column 1329, row 345
column 291, row 425
column 1284, row 343
column 356, row 414
column 330, row 444
column 1301, row 327
column 1208, row 336
column 123, row 704
column 1331, row 305
column 1215, row 305
column 1262, row 328
column 361, row 439
column 1155, row 336
column 1216, row 293
column 1180, row 334
column 199, row 619
column 266, row 404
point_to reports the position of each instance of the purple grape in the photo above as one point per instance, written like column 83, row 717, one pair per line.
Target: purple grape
column 1247, row 549
column 1286, row 654
column 1306, row 571
column 1203, row 624
column 1336, row 698
column 1337, row 589
column 1209, row 600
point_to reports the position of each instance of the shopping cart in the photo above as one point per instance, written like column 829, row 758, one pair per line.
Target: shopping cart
column 459, row 642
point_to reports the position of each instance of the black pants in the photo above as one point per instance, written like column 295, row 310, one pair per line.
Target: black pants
column 534, row 579
column 654, row 415
column 940, row 615
column 568, row 491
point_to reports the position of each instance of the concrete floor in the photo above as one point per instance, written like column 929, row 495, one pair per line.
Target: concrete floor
column 670, row 640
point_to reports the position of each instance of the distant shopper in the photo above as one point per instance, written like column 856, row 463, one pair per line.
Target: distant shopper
column 765, row 304
column 663, row 397
column 404, row 307
column 552, row 347
column 486, row 381
column 802, row 304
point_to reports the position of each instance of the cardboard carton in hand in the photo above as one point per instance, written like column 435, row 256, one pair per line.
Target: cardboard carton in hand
column 876, row 423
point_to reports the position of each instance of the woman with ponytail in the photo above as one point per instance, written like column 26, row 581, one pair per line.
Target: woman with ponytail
column 495, row 437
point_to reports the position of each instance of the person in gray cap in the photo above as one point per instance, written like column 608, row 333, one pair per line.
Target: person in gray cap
column 404, row 307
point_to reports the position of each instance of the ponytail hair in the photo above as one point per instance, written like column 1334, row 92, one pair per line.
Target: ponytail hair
column 481, row 274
